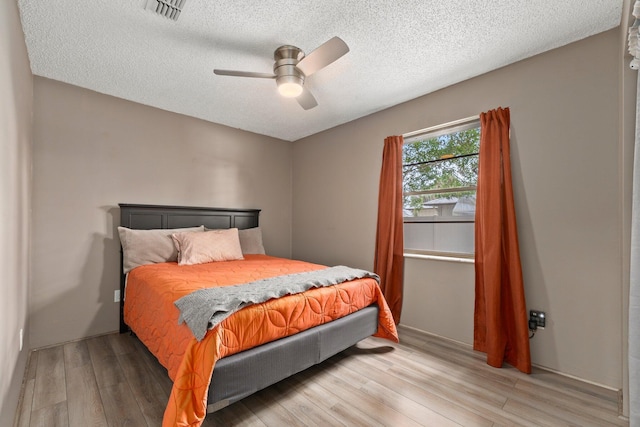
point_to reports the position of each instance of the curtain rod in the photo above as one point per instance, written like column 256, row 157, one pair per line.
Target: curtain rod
column 442, row 126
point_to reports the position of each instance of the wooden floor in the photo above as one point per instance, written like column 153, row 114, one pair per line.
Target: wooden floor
column 113, row 381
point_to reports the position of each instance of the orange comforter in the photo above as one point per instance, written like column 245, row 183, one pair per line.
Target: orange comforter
column 150, row 312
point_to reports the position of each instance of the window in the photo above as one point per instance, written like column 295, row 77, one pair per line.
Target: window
column 440, row 174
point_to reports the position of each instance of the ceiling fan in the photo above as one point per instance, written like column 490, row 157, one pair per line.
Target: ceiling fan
column 292, row 67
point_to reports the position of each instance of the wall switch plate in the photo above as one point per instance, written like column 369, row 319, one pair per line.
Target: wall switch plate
column 539, row 317
column 21, row 338
column 116, row 295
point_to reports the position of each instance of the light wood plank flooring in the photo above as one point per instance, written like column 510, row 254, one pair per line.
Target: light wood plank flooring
column 113, row 380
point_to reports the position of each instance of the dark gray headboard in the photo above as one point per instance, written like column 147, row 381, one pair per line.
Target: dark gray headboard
column 146, row 217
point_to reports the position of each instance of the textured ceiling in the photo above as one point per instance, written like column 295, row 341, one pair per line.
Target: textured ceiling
column 399, row 50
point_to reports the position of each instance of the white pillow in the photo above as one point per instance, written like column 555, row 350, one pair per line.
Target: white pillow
column 251, row 241
column 141, row 247
column 213, row 245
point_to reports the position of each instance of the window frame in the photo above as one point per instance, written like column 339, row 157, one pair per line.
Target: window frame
column 429, row 133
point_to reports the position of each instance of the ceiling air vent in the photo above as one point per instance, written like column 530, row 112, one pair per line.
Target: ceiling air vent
column 168, row 8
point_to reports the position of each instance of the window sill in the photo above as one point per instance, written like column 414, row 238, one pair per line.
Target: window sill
column 440, row 258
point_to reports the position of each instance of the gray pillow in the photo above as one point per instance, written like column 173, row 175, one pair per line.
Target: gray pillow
column 141, row 247
column 251, row 241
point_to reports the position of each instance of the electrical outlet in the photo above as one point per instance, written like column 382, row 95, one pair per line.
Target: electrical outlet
column 116, row 295
column 537, row 318
column 21, row 338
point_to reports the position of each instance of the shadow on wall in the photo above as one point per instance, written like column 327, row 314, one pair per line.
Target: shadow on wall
column 533, row 276
column 103, row 268
column 88, row 308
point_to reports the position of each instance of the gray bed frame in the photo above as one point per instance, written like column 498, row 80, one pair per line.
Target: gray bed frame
column 242, row 374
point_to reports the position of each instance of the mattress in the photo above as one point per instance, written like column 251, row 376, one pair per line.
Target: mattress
column 150, row 312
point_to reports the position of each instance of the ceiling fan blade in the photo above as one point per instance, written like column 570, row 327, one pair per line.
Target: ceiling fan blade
column 244, row 74
column 324, row 55
column 306, row 99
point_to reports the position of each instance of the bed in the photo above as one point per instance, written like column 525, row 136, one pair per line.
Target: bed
column 242, row 373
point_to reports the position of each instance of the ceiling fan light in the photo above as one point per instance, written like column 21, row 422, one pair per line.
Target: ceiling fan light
column 290, row 89
column 289, row 86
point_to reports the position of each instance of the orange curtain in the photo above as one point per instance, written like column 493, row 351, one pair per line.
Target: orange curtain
column 389, row 259
column 500, row 319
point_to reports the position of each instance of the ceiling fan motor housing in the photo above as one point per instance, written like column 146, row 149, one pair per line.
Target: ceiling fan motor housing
column 287, row 57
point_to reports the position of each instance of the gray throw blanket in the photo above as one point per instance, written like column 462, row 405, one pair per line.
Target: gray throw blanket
column 205, row 308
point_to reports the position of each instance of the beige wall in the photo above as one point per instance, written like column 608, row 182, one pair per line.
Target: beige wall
column 16, row 106
column 93, row 151
column 565, row 109
column 439, row 301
